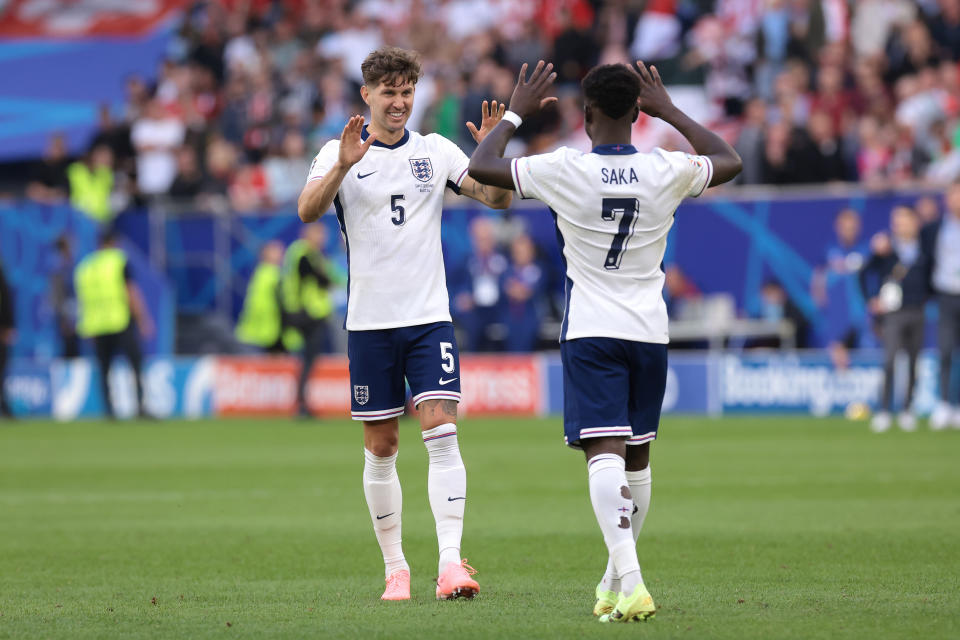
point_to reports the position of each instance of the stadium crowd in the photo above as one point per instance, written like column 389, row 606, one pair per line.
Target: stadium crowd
column 809, row 91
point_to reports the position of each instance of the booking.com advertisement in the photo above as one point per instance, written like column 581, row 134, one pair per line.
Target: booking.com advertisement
column 697, row 383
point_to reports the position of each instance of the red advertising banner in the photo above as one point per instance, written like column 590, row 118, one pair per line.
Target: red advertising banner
column 81, row 18
column 500, row 384
column 265, row 386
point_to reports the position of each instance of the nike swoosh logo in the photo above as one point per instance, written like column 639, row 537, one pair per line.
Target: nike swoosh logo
column 361, row 176
column 452, row 499
column 443, row 382
column 386, row 516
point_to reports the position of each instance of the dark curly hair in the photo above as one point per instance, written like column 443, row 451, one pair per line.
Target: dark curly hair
column 392, row 66
column 613, row 88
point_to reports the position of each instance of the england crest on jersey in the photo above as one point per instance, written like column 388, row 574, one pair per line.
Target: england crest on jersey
column 422, row 169
column 361, row 393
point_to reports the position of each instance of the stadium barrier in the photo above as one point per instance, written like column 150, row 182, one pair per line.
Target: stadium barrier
column 520, row 385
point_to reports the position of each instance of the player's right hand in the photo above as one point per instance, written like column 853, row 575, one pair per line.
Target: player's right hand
column 352, row 148
column 530, row 97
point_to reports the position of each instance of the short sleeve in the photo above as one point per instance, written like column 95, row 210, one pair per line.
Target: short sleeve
column 456, row 162
column 324, row 161
column 691, row 173
column 536, row 176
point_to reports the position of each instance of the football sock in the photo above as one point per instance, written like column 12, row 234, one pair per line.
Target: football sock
column 447, row 487
column 640, row 484
column 613, row 507
column 381, row 486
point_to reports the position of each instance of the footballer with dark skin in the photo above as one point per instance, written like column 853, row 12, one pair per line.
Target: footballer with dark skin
column 613, row 208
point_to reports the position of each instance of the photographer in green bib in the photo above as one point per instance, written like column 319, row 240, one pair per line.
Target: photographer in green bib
column 110, row 308
column 261, row 319
column 306, row 298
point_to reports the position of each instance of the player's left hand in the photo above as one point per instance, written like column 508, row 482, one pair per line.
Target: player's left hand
column 490, row 115
column 530, row 97
column 654, row 99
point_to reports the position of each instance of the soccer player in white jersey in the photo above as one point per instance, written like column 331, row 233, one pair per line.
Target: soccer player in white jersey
column 613, row 208
column 387, row 185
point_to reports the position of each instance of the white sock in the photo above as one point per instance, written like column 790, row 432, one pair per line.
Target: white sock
column 381, row 486
column 613, row 508
column 447, row 487
column 640, row 484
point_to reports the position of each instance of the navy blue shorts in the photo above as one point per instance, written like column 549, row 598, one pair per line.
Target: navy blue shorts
column 426, row 355
column 612, row 387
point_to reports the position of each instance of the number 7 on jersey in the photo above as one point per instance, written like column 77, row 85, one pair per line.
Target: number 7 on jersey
column 626, row 209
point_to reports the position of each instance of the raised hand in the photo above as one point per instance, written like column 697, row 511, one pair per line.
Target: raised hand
column 654, row 99
column 490, row 115
column 352, row 148
column 529, row 96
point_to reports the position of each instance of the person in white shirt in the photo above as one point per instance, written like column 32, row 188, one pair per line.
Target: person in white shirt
column 613, row 208
column 156, row 137
column 387, row 185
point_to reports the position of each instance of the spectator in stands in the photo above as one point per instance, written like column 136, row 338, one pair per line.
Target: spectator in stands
column 829, row 160
column 156, row 137
column 482, row 306
column 750, row 144
column 48, row 181
column 116, row 136
column 248, row 190
column 7, row 336
column 941, row 242
column 286, row 171
column 91, row 184
column 221, row 163
column 894, row 283
column 188, row 183
column 523, row 288
column 776, row 306
column 63, row 297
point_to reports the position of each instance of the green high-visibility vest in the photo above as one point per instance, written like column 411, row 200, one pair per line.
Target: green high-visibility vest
column 103, row 305
column 304, row 294
column 90, row 190
column 260, row 319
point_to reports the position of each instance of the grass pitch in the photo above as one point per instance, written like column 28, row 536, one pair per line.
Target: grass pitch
column 760, row 528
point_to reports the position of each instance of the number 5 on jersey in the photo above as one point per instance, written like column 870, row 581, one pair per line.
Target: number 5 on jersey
column 397, row 209
column 626, row 209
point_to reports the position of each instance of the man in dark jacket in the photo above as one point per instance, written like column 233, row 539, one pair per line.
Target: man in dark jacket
column 894, row 283
column 940, row 241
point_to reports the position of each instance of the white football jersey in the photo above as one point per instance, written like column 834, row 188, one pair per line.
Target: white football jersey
column 389, row 208
column 613, row 208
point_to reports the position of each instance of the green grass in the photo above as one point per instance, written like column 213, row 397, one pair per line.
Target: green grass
column 760, row 528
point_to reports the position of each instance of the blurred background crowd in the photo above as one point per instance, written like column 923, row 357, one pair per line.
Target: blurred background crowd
column 846, row 97
column 809, row 91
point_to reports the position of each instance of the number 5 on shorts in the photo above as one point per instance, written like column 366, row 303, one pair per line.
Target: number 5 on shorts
column 446, row 354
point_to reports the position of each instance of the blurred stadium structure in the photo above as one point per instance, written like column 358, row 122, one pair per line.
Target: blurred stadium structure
column 204, row 117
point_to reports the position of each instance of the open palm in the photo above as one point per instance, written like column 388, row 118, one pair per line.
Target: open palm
column 490, row 115
column 352, row 147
